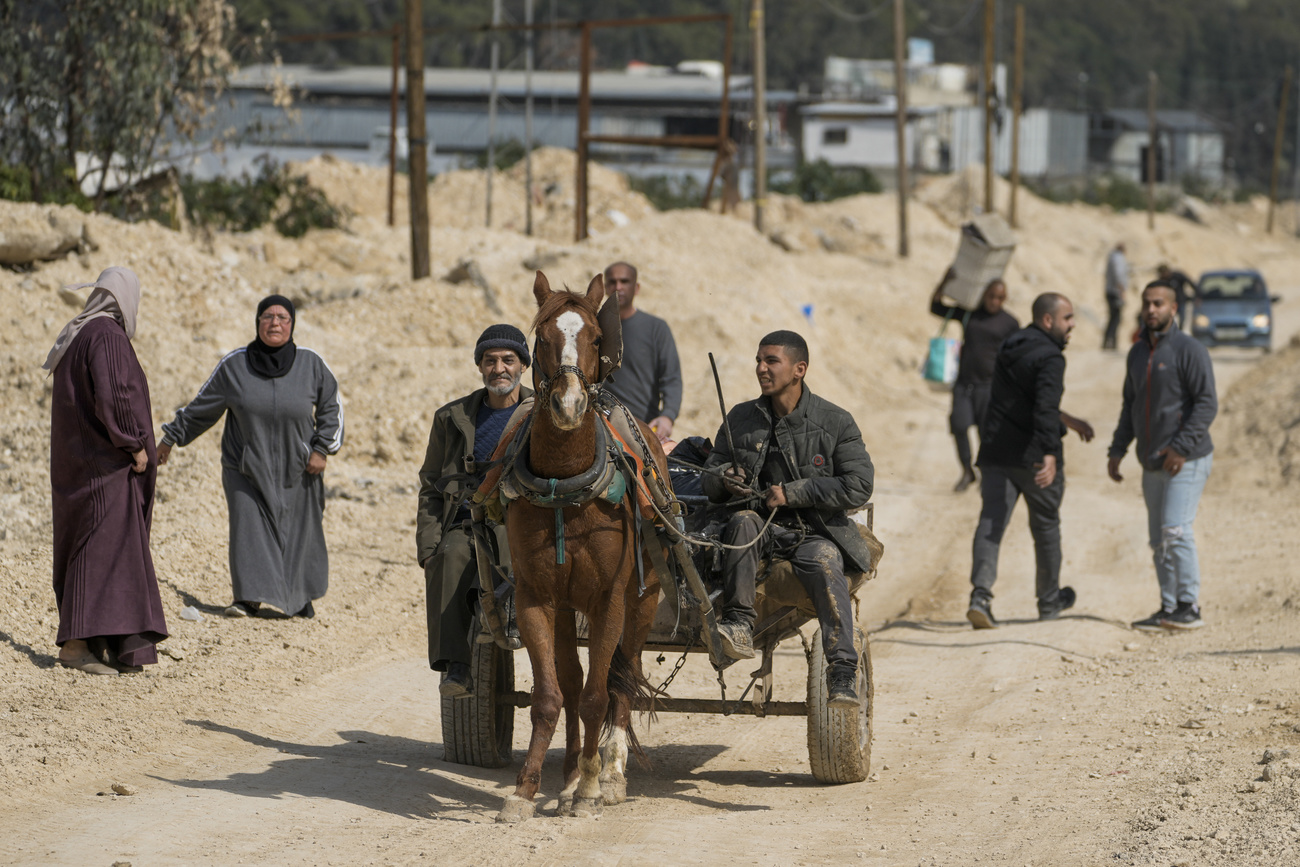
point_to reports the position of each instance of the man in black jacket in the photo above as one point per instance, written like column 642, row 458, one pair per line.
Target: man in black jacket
column 983, row 331
column 1021, row 455
column 808, row 464
column 1169, row 403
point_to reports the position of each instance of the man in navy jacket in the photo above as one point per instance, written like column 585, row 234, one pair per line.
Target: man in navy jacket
column 1169, row 403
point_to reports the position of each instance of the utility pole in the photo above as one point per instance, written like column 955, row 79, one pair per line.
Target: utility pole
column 492, row 109
column 584, row 120
column 1277, row 147
column 900, row 89
column 1017, row 98
column 416, row 145
column 528, row 118
column 1153, row 142
column 990, row 95
column 757, row 24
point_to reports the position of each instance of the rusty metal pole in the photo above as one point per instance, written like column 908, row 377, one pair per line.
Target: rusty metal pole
column 724, row 120
column 492, row 113
column 417, row 146
column 392, row 126
column 900, row 122
column 1153, row 142
column 990, row 10
column 1017, row 98
column 1277, row 147
column 584, row 119
column 759, row 24
column 528, row 117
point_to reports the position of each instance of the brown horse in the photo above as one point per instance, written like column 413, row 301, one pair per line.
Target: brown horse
column 596, row 577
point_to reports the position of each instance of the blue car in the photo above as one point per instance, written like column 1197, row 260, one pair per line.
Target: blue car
column 1233, row 308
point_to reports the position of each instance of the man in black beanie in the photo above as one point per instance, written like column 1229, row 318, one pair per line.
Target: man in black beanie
column 464, row 435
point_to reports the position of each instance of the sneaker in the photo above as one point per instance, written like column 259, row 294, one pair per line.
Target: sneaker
column 1154, row 623
column 841, row 682
column 980, row 612
column 1065, row 598
column 457, row 682
column 1186, row 616
column 737, row 639
column 241, row 609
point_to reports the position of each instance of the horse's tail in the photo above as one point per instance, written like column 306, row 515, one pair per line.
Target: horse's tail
column 626, row 681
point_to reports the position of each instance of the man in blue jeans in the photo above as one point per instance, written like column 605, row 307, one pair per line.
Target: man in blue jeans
column 1169, row 403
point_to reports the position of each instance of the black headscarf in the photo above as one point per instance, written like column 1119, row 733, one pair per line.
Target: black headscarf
column 267, row 361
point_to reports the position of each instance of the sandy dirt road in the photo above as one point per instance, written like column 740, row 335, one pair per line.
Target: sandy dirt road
column 1078, row 742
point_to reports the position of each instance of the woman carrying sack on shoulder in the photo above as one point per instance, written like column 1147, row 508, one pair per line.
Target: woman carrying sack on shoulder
column 984, row 329
column 284, row 419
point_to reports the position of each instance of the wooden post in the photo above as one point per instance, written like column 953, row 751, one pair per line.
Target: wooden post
column 528, row 118
column 990, row 10
column 1277, row 147
column 492, row 112
column 757, row 24
column 1017, row 98
column 417, row 145
column 900, row 122
column 1153, row 142
column 392, row 125
column 584, row 118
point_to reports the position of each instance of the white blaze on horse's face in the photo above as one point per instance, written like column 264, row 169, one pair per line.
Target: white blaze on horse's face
column 568, row 397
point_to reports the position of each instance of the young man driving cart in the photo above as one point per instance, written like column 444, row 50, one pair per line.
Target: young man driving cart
column 793, row 466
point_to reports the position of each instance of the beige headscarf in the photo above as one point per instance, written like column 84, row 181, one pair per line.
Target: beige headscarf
column 116, row 294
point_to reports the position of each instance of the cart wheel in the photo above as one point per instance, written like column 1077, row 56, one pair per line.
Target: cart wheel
column 477, row 729
column 839, row 740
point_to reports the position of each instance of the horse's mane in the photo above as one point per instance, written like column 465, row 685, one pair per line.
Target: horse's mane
column 558, row 302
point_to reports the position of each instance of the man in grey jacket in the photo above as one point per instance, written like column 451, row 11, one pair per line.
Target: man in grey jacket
column 805, row 458
column 464, row 434
column 1169, row 403
column 1116, row 286
column 649, row 381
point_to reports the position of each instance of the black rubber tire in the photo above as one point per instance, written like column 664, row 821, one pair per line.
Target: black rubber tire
column 839, row 740
column 477, row 729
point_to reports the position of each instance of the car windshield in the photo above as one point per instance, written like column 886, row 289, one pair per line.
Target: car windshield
column 1231, row 286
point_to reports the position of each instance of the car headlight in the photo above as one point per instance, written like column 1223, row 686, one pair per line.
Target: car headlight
column 1260, row 320
column 1201, row 321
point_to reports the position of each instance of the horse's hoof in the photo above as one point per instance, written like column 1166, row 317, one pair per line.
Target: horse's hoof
column 514, row 810
column 613, row 789
column 585, row 808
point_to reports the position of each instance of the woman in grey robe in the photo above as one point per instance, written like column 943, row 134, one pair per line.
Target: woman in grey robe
column 284, row 419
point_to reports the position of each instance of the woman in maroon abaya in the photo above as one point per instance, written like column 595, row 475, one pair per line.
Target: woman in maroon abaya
column 102, row 470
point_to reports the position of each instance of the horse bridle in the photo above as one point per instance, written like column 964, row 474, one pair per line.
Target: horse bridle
column 542, row 383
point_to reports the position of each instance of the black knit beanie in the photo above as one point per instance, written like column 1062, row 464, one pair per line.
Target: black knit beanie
column 502, row 337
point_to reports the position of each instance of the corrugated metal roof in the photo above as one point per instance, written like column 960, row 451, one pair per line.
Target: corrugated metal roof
column 1171, row 119
column 376, row 81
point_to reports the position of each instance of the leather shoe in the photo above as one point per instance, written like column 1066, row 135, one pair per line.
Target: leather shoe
column 87, row 663
column 457, row 682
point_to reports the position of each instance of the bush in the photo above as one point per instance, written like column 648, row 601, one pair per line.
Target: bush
column 821, row 182
column 669, row 192
column 274, row 196
column 508, row 153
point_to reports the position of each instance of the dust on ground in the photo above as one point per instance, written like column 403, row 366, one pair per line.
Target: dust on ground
column 1073, row 742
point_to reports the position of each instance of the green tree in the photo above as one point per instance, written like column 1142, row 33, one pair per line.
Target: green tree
column 113, row 79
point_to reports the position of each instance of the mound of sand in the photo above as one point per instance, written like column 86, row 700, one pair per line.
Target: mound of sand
column 1257, row 439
